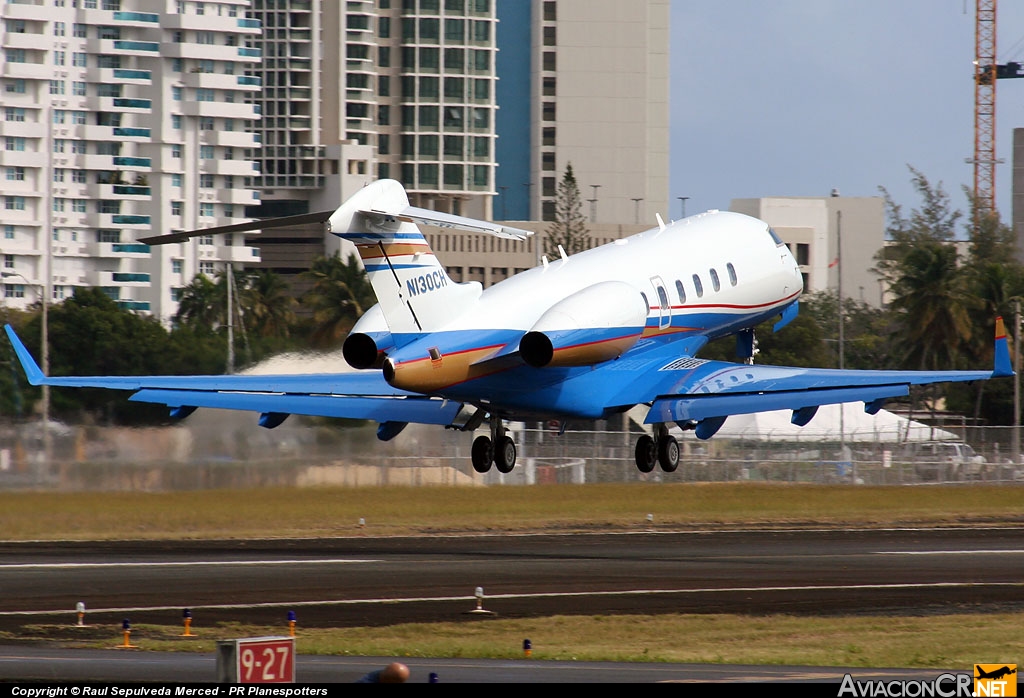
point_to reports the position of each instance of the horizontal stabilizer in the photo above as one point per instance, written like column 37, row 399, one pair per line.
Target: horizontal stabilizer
column 261, row 224
column 411, row 214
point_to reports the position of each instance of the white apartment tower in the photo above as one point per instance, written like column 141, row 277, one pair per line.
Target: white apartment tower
column 123, row 119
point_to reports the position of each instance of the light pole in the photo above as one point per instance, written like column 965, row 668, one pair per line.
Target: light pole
column 593, row 203
column 636, row 209
column 682, row 205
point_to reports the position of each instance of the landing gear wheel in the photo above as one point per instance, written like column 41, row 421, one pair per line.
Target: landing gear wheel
column 482, row 453
column 505, row 455
column 646, row 454
column 668, row 453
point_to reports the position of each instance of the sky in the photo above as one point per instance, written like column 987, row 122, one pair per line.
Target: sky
column 797, row 97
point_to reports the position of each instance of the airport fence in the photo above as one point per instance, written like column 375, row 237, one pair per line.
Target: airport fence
column 225, row 450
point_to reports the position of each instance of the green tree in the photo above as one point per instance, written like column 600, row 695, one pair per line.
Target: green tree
column 340, row 294
column 267, row 304
column 867, row 335
column 201, row 305
column 569, row 228
column 90, row 335
column 800, row 343
column 934, row 221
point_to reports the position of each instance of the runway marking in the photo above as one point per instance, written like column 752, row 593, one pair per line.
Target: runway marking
column 200, row 563
column 949, row 552
column 540, row 595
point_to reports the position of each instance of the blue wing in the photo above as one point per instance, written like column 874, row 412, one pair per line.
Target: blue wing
column 349, row 395
column 703, row 393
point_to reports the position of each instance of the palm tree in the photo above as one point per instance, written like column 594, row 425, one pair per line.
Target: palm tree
column 341, row 293
column 933, row 308
column 201, row 306
column 931, row 297
column 267, row 303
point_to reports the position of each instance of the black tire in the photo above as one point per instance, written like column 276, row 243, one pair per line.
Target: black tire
column 505, row 455
column 646, row 454
column 482, row 454
column 668, row 453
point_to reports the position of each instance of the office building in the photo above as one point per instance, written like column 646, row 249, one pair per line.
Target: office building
column 812, row 228
column 583, row 82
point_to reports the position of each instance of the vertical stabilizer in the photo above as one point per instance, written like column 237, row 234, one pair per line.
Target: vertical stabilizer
column 413, row 289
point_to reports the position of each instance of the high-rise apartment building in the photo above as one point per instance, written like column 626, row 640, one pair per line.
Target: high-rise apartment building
column 122, row 119
column 583, row 82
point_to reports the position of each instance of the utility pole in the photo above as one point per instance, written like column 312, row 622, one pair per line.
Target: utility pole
column 1015, row 435
column 682, row 205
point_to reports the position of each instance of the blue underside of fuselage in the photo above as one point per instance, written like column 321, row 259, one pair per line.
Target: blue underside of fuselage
column 518, row 391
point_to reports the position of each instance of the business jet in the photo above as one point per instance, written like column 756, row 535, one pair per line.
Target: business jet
column 581, row 337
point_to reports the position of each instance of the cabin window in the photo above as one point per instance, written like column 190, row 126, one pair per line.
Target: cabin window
column 732, row 273
column 647, row 303
column 715, row 283
column 698, row 286
column 681, row 291
column 663, row 298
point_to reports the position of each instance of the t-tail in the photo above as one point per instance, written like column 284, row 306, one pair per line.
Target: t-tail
column 414, row 291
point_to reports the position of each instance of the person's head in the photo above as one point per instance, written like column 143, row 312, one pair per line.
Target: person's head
column 395, row 672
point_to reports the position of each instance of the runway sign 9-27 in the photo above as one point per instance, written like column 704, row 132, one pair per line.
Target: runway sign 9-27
column 256, row 660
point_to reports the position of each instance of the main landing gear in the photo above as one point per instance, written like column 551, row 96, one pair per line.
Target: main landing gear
column 661, row 449
column 498, row 449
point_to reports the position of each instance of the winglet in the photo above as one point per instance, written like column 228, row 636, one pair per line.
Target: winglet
column 32, row 370
column 1003, row 366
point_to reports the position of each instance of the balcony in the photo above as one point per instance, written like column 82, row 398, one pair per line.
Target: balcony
column 129, row 219
column 126, row 74
column 237, row 139
column 132, row 190
column 131, row 103
column 140, row 306
column 114, row 250
column 127, row 132
column 144, row 48
column 246, row 52
column 133, row 162
column 129, row 278
column 142, row 19
column 239, row 254
column 109, row 279
column 245, row 23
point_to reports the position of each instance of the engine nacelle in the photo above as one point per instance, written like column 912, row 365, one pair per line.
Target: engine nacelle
column 596, row 324
column 367, row 345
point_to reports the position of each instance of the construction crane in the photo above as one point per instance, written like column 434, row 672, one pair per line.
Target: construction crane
column 986, row 72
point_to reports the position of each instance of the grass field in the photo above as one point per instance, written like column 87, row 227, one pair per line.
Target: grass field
column 278, row 512
column 938, row 641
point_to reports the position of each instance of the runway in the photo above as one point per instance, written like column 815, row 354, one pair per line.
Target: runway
column 372, row 581
column 382, row 581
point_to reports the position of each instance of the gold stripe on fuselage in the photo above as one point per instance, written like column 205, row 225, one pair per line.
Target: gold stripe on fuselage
column 395, row 249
